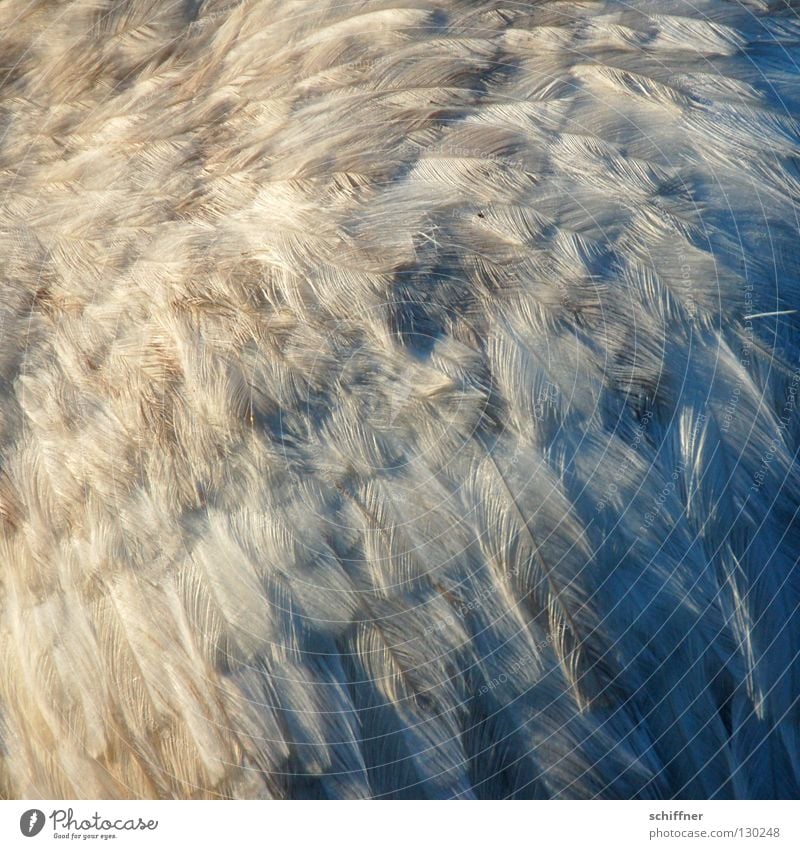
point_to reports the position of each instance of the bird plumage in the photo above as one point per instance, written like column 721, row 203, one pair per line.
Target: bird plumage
column 399, row 400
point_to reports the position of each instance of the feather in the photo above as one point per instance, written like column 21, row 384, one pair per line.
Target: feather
column 399, row 401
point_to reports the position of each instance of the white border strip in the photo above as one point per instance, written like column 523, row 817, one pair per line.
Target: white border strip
column 406, row 825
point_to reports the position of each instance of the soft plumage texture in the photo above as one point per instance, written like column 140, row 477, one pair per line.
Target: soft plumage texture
column 399, row 400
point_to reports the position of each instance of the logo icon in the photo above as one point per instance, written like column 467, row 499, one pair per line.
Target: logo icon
column 31, row 822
